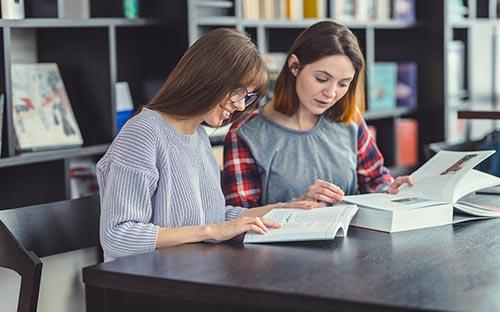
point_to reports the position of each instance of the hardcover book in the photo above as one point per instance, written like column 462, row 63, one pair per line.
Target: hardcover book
column 382, row 86
column 305, row 225
column 42, row 113
column 406, row 88
column 433, row 200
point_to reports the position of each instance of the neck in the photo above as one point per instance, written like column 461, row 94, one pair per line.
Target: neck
column 301, row 120
column 183, row 125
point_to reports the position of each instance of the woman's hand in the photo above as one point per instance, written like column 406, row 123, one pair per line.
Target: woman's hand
column 394, row 187
column 322, row 191
column 229, row 229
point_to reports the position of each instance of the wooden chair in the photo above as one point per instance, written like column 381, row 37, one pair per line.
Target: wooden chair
column 28, row 233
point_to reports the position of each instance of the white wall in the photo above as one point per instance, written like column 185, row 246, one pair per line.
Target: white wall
column 62, row 289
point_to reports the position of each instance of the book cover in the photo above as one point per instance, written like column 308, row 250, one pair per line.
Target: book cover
column 274, row 62
column 406, row 88
column 407, row 142
column 404, row 10
column 345, row 10
column 314, row 8
column 124, row 104
column 13, row 9
column 382, row 86
column 82, row 177
column 42, row 114
column 305, row 225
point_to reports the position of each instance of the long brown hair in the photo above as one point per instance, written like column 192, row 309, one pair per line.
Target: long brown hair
column 219, row 62
column 321, row 40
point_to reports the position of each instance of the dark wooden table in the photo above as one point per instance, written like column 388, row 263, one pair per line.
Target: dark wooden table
column 452, row 268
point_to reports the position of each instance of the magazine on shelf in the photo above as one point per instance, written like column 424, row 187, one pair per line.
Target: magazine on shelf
column 305, row 225
column 42, row 113
column 439, row 184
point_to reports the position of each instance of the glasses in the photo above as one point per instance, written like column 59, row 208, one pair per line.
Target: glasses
column 242, row 93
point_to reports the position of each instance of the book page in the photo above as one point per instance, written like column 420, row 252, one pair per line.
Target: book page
column 439, row 177
column 390, row 202
column 301, row 225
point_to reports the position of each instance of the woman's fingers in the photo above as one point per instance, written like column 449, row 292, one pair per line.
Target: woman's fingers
column 325, row 192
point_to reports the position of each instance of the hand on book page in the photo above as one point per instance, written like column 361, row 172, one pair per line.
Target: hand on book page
column 303, row 225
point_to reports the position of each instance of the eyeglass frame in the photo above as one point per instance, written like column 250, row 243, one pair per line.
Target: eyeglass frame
column 249, row 97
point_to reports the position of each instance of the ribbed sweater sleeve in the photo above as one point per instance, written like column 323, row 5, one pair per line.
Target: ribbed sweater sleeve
column 128, row 178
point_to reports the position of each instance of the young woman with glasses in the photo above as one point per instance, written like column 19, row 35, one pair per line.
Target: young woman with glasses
column 311, row 141
column 159, row 180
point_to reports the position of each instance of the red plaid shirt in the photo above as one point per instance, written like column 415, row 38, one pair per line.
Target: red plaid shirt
column 241, row 180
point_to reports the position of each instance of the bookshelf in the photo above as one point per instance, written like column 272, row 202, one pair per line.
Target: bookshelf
column 382, row 40
column 92, row 55
column 472, row 29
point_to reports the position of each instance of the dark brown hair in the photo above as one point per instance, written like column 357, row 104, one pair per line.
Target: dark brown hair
column 317, row 41
column 219, row 62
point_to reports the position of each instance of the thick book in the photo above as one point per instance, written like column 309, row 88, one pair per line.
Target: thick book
column 305, row 225
column 42, row 113
column 434, row 200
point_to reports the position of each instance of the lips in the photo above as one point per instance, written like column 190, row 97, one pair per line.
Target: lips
column 322, row 103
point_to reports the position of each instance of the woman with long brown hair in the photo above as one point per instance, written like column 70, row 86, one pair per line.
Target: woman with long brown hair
column 310, row 142
column 159, row 180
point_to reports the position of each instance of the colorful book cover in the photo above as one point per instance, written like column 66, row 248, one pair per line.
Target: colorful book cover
column 404, row 10
column 274, row 62
column 406, row 89
column 42, row 113
column 382, row 86
column 407, row 142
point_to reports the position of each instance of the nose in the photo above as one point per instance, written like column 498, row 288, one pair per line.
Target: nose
column 330, row 91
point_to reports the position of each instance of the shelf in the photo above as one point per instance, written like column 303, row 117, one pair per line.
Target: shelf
column 479, row 114
column 45, row 156
column 77, row 23
column 384, row 114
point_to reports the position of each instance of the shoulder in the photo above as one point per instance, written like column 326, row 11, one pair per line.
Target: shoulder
column 237, row 125
column 137, row 143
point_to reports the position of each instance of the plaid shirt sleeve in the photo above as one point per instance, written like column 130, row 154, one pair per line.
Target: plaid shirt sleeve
column 372, row 175
column 240, row 178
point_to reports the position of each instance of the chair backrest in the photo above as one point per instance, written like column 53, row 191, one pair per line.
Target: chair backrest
column 28, row 233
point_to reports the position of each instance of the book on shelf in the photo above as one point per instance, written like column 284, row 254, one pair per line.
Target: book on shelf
column 314, row 8
column 13, row 9
column 73, row 9
column 214, row 8
column 305, row 225
column 274, row 63
column 455, row 57
column 82, row 177
column 382, row 10
column 345, row 10
column 434, row 200
column 124, row 104
column 364, row 10
column 382, row 86
column 406, row 86
column 404, row 10
column 42, row 114
column 407, row 142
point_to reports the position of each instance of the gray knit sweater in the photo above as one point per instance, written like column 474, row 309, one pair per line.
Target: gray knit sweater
column 153, row 176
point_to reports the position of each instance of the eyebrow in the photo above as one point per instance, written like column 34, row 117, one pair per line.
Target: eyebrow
column 329, row 75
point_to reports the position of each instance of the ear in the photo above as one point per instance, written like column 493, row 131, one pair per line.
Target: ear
column 293, row 64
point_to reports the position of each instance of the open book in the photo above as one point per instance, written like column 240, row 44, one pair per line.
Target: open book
column 303, row 225
column 438, row 186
